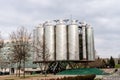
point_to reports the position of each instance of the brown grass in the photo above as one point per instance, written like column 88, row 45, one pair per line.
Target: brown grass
column 28, row 77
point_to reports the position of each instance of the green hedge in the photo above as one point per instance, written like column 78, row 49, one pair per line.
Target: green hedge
column 86, row 77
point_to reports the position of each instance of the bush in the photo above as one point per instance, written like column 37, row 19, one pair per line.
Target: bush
column 9, row 79
column 1, row 73
column 98, row 79
column 86, row 77
column 6, row 73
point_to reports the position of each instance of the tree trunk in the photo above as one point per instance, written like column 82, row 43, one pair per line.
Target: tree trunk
column 24, row 68
column 40, row 65
column 45, row 69
column 19, row 67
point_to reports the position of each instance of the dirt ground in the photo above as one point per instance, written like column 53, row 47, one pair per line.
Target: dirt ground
column 30, row 77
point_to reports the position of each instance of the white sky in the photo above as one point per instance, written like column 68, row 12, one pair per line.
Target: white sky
column 103, row 15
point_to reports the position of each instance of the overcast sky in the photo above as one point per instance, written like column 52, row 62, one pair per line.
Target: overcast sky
column 102, row 15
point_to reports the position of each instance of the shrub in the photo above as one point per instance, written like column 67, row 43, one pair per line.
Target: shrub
column 9, row 79
column 86, row 77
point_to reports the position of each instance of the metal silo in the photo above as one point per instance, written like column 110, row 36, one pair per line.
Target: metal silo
column 40, row 41
column 90, row 43
column 40, row 33
column 61, row 41
column 34, row 43
column 50, row 41
column 73, row 41
column 83, row 25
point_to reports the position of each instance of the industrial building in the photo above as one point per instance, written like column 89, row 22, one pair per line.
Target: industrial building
column 7, row 65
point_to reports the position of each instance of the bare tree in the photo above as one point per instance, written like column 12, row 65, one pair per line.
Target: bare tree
column 1, row 42
column 2, row 62
column 42, row 55
column 20, row 40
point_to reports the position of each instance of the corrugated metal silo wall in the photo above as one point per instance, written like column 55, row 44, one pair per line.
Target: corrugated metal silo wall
column 73, row 42
column 50, row 42
column 34, row 44
column 90, row 44
column 40, row 42
column 61, row 42
column 84, row 42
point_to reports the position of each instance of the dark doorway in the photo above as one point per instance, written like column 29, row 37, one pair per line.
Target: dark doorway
column 12, row 70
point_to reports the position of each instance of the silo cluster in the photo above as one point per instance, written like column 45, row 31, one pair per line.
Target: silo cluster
column 60, row 41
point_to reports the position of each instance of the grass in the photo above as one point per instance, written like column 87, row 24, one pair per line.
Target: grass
column 13, row 77
column 117, row 66
column 27, row 77
column 33, row 77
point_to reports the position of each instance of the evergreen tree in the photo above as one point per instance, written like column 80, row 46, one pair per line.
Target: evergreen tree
column 111, row 62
